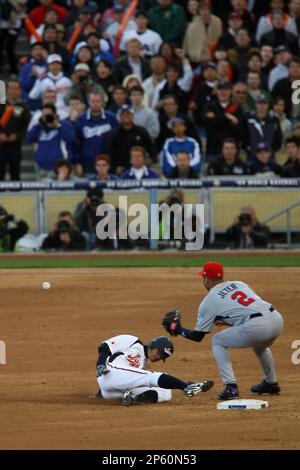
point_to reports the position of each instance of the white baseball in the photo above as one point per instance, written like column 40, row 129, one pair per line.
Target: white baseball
column 46, row 285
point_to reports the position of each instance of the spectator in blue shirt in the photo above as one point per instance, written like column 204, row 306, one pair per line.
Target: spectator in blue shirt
column 97, row 45
column 138, row 169
column 263, row 165
column 35, row 68
column 183, row 169
column 92, row 128
column 54, row 139
column 180, row 143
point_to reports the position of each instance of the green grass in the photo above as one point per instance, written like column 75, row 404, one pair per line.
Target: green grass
column 119, row 262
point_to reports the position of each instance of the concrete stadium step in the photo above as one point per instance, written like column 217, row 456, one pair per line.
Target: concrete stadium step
column 28, row 148
column 28, row 173
column 28, row 176
column 23, row 44
column 28, row 167
column 28, row 170
column 28, row 153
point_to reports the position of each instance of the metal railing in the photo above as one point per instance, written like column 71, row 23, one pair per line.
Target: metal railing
column 287, row 211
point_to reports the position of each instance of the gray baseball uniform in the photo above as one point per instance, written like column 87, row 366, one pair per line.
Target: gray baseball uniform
column 127, row 371
column 254, row 323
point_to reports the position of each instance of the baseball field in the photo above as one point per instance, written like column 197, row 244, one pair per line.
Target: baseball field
column 51, row 339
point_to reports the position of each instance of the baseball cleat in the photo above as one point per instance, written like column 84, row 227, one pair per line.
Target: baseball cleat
column 230, row 392
column 265, row 387
column 194, row 388
column 128, row 398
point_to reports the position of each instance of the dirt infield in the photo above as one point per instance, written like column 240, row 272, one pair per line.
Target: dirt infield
column 52, row 337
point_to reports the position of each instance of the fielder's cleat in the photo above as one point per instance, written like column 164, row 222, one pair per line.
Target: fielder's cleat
column 230, row 392
column 194, row 388
column 128, row 398
column 265, row 387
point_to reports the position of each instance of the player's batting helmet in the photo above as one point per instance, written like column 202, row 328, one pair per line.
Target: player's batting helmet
column 164, row 345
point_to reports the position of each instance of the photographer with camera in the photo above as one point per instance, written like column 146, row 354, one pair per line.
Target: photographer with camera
column 11, row 230
column 54, row 139
column 83, row 85
column 86, row 218
column 64, row 236
column 247, row 232
column 169, row 223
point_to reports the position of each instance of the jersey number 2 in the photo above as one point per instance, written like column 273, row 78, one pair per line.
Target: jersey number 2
column 242, row 299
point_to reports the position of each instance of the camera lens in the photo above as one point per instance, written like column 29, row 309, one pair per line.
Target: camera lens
column 95, row 201
column 245, row 219
column 63, row 227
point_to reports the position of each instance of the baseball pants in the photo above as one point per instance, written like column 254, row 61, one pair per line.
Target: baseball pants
column 114, row 384
column 256, row 333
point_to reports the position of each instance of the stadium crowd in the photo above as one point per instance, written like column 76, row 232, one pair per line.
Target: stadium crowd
column 190, row 88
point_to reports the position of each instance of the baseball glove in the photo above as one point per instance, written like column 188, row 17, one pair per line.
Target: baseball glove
column 172, row 321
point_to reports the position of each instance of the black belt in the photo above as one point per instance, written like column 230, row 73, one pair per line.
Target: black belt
column 255, row 315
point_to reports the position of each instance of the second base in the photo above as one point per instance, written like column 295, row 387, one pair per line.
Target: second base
column 241, row 404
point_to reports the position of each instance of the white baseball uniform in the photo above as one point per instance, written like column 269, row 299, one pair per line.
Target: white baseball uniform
column 150, row 41
column 254, row 323
column 120, row 342
column 127, row 370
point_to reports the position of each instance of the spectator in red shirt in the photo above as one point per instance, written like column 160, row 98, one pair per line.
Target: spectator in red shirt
column 37, row 15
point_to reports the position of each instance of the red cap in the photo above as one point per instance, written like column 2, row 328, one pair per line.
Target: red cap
column 212, row 270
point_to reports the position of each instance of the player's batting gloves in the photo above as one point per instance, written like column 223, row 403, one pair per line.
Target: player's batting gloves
column 172, row 322
column 101, row 370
